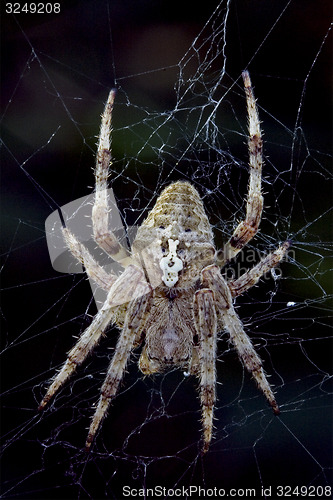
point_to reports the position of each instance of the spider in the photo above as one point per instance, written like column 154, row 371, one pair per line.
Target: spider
column 171, row 296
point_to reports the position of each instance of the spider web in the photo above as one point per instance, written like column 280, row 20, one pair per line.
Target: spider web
column 180, row 114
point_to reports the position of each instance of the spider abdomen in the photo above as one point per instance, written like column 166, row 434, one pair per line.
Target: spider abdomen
column 177, row 213
column 179, row 216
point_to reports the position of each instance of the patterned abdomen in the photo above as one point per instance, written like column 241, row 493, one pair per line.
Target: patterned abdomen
column 179, row 207
column 178, row 215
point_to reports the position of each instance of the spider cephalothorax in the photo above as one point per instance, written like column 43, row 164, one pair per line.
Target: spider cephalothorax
column 171, row 297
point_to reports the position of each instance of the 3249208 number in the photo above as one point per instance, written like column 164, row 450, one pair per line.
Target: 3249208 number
column 304, row 491
column 33, row 8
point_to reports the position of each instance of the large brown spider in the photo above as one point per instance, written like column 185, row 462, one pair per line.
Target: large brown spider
column 171, row 296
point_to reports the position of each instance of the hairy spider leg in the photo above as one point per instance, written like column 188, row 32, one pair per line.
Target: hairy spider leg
column 251, row 277
column 248, row 228
column 127, row 287
column 103, row 279
column 206, row 326
column 134, row 323
column 232, row 324
column 103, row 236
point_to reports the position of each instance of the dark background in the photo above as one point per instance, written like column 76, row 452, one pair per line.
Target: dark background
column 56, row 73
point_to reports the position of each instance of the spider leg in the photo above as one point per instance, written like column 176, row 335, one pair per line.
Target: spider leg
column 134, row 323
column 248, row 228
column 251, row 277
column 92, row 268
column 206, row 326
column 212, row 277
column 121, row 292
column 100, row 213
